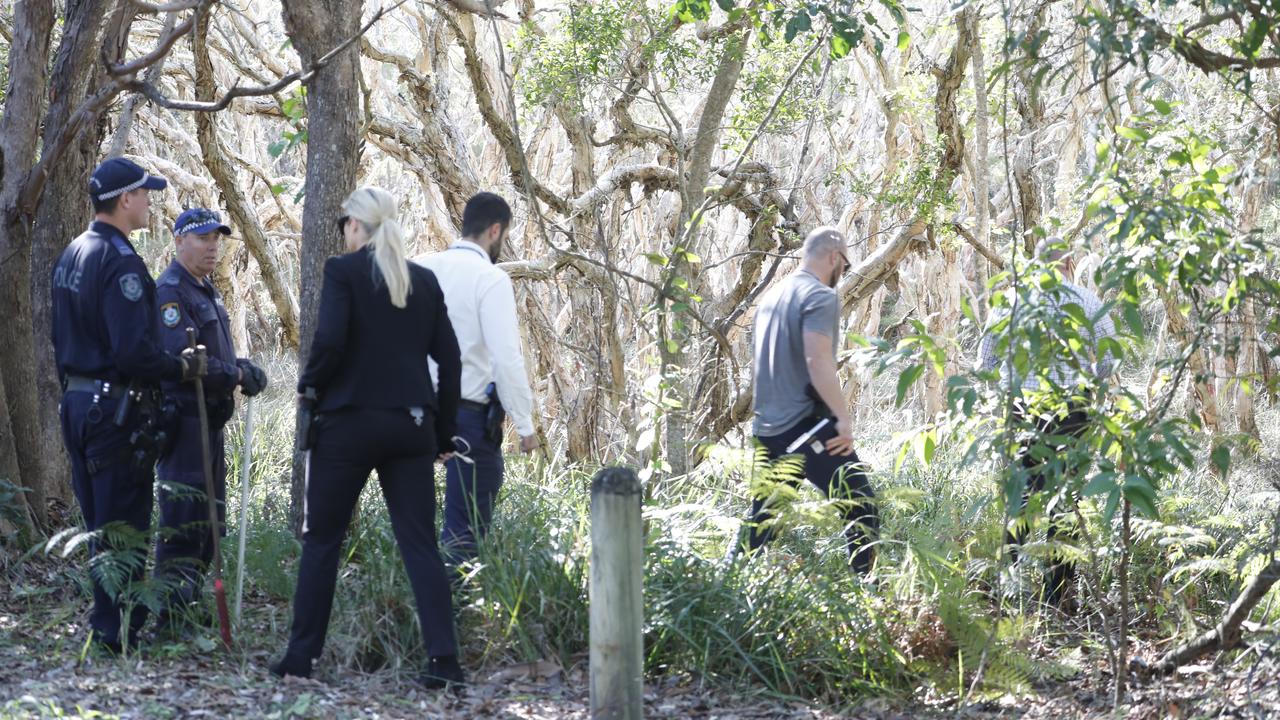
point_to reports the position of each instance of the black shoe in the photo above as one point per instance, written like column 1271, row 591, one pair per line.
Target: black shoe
column 173, row 627
column 444, row 672
column 1059, row 587
column 112, row 648
column 292, row 665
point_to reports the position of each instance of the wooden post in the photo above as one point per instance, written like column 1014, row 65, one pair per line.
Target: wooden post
column 617, row 596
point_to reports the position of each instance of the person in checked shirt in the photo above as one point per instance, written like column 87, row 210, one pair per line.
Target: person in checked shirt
column 1053, row 399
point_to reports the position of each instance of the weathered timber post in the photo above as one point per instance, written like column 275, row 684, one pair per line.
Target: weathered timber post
column 617, row 596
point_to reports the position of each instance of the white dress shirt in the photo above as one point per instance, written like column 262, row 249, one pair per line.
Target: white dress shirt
column 482, row 309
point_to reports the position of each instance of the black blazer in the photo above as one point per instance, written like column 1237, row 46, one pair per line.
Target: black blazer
column 368, row 353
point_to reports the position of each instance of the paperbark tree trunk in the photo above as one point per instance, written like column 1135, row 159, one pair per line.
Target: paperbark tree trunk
column 64, row 210
column 242, row 212
column 692, row 195
column 1031, row 109
column 981, row 122
column 1201, row 383
column 24, row 461
column 333, row 155
column 36, row 441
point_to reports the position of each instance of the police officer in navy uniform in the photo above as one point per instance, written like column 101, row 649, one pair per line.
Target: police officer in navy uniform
column 380, row 321
column 110, row 365
column 187, row 299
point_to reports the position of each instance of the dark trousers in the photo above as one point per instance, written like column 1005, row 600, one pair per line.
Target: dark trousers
column 1052, row 437
column 115, row 500
column 184, row 547
column 471, row 489
column 349, row 445
column 839, row 478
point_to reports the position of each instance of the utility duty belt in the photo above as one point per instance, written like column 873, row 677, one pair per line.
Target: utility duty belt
column 103, row 388
column 150, row 419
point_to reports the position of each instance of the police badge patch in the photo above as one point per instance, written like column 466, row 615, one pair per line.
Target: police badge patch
column 131, row 286
column 170, row 314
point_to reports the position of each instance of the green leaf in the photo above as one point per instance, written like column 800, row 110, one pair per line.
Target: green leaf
column 800, row 22
column 902, row 456
column 657, row 259
column 1102, row 483
column 928, row 447
column 1134, row 319
column 1254, row 36
column 1142, row 498
column 277, row 147
column 1135, row 134
column 1161, row 106
column 278, row 189
column 1109, row 510
column 725, row 5
column 691, row 10
column 904, row 39
column 906, row 380
column 1221, row 459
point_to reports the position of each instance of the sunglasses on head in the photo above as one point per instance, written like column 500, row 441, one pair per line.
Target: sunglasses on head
column 342, row 223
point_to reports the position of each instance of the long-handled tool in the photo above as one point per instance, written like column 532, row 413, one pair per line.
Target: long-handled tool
column 244, row 503
column 211, row 497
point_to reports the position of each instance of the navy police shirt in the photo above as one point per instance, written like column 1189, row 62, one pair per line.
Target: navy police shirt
column 185, row 302
column 104, row 312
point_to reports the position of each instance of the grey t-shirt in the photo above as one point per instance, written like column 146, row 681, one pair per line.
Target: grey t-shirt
column 801, row 303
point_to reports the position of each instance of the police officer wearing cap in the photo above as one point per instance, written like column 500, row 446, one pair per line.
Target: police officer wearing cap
column 110, row 364
column 187, row 299
column 381, row 319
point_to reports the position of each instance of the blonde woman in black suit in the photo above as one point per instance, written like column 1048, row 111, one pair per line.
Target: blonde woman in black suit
column 375, row 408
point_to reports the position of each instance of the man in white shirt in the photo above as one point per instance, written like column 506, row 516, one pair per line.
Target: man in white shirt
column 482, row 309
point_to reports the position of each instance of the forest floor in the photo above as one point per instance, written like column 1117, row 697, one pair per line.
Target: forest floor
column 44, row 673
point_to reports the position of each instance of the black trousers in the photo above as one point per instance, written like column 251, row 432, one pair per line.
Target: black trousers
column 1052, row 436
column 111, row 492
column 839, row 478
column 349, row 445
column 184, row 547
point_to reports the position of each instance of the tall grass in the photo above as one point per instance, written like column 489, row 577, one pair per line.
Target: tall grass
column 791, row 620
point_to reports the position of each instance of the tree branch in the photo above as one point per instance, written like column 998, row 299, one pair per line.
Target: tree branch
column 880, row 265
column 1226, row 634
column 147, row 8
column 986, row 252
column 621, row 177
column 498, row 126
column 163, row 45
column 154, row 95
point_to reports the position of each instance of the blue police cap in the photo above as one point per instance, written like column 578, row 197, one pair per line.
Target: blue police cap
column 199, row 221
column 118, row 176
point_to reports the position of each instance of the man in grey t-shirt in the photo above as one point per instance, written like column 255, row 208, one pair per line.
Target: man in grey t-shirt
column 796, row 387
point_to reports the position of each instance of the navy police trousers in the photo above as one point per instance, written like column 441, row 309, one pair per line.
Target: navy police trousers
column 115, row 500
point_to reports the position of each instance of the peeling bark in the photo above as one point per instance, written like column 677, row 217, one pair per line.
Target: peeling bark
column 20, row 443
column 333, row 156
column 242, row 213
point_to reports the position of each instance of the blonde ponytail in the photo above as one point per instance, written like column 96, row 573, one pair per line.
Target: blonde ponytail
column 376, row 209
column 388, row 254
